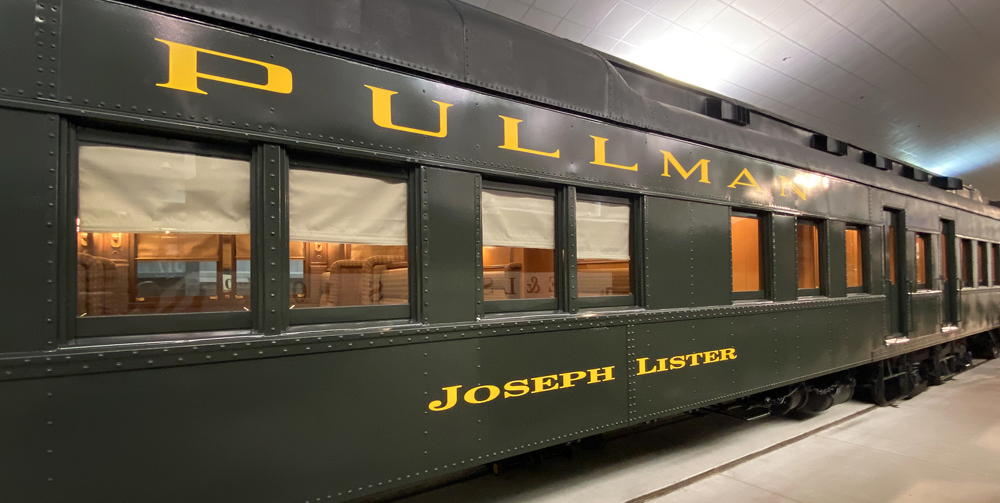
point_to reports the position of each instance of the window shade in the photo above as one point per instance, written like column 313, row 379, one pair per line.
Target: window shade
column 602, row 230
column 134, row 190
column 336, row 208
column 518, row 220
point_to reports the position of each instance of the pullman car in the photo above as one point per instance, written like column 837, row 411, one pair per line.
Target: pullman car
column 300, row 251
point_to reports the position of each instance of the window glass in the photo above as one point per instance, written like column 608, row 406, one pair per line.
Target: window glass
column 966, row 251
column 161, row 232
column 746, row 253
column 518, row 245
column 603, row 251
column 984, row 270
column 348, row 240
column 920, row 256
column 855, row 267
column 807, row 245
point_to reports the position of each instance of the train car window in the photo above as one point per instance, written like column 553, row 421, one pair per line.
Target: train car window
column 984, row 269
column 603, row 251
column 996, row 263
column 808, row 256
column 161, row 232
column 855, row 259
column 747, row 257
column 518, row 244
column 922, row 250
column 348, row 240
column 966, row 251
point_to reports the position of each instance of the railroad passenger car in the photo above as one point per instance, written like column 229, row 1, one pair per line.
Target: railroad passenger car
column 313, row 251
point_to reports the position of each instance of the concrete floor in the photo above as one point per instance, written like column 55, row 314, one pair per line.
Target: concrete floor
column 942, row 446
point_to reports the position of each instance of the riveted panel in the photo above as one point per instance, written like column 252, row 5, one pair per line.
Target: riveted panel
column 688, row 364
column 21, row 54
column 269, row 214
column 836, row 258
column 785, row 268
column 875, row 273
column 48, row 14
column 330, row 425
column 450, row 229
column 29, row 186
column 685, row 264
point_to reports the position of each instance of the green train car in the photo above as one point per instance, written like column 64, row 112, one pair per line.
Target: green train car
column 313, row 251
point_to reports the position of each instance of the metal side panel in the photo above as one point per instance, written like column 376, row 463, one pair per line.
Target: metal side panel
column 449, row 254
column 682, row 365
column 22, row 57
column 687, row 254
column 836, row 262
column 333, row 426
column 29, row 192
column 784, row 267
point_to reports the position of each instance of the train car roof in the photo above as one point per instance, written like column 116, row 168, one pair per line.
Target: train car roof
column 457, row 42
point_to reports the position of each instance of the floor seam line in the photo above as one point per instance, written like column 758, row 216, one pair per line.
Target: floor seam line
column 743, row 459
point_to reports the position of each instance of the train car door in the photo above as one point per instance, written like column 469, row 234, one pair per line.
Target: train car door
column 949, row 274
column 895, row 272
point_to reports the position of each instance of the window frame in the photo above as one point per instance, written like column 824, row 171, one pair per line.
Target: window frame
column 326, row 163
column 928, row 283
column 559, row 215
column 763, row 255
column 995, row 255
column 609, row 300
column 864, row 255
column 821, row 257
column 967, row 273
column 76, row 327
column 983, row 272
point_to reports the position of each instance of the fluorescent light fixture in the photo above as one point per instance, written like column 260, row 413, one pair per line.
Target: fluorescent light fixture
column 688, row 57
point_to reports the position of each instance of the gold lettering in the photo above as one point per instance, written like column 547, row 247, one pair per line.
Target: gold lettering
column 642, row 367
column 382, row 113
column 601, row 372
column 516, row 388
column 183, row 71
column 728, row 353
column 662, row 362
column 693, row 359
column 510, row 142
column 711, row 356
column 791, row 184
column 569, row 377
column 669, row 159
column 451, row 398
column 677, row 362
column 470, row 396
column 542, row 382
column 600, row 157
column 752, row 183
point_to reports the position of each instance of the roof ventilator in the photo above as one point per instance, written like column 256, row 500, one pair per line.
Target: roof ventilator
column 721, row 109
column 947, row 182
column 829, row 145
column 914, row 173
column 876, row 161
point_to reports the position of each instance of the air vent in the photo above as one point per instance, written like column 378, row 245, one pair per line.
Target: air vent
column 946, row 182
column 915, row 173
column 829, row 145
column 876, row 161
column 730, row 112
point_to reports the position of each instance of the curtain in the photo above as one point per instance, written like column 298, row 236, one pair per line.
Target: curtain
column 135, row 190
column 337, row 208
column 602, row 230
column 518, row 220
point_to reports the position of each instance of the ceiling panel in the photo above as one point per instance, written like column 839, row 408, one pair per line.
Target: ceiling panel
column 915, row 80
